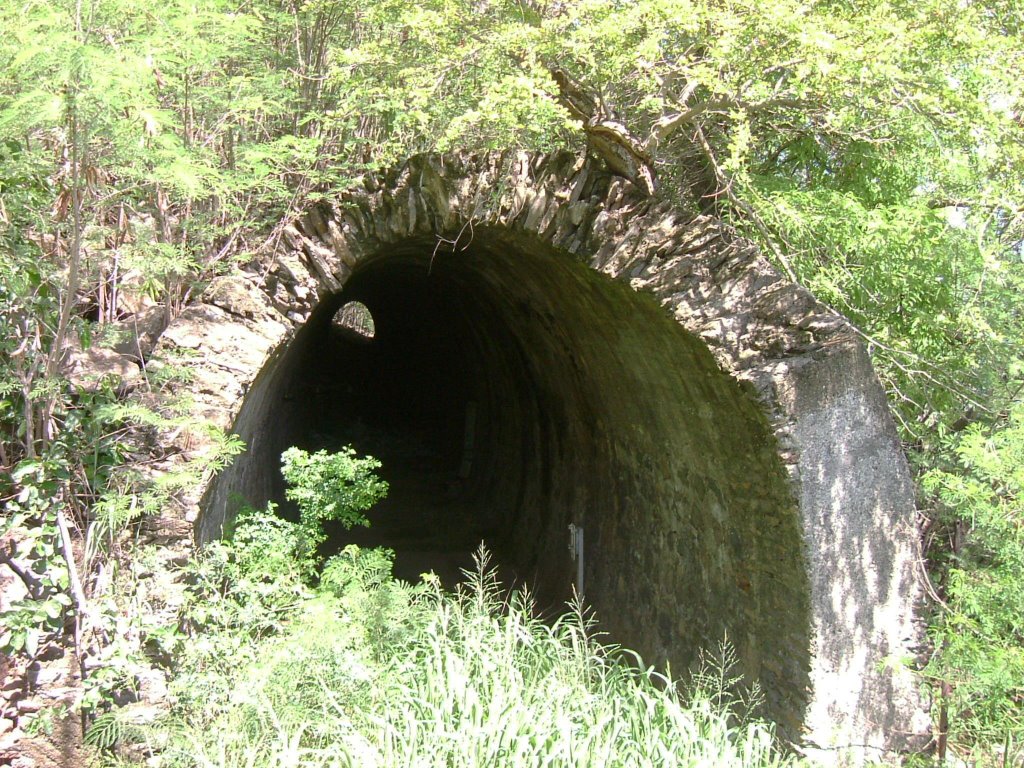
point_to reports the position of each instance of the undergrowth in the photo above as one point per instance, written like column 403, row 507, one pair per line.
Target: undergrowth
column 365, row 670
column 281, row 662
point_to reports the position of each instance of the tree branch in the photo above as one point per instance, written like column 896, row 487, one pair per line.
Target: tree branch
column 957, row 202
column 612, row 140
column 669, row 124
column 34, row 585
column 725, row 186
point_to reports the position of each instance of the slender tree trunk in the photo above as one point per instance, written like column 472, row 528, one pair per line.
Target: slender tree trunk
column 115, row 276
column 946, row 687
column 55, row 359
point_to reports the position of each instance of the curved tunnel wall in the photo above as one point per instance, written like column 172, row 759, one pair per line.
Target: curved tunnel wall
column 591, row 407
column 719, row 434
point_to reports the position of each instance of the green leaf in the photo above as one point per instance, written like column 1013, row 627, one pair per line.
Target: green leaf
column 53, row 608
column 30, row 640
column 106, row 731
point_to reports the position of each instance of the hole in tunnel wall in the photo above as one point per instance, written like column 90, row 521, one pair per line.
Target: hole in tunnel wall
column 510, row 392
column 355, row 318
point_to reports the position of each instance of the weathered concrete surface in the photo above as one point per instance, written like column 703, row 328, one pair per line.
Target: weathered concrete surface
column 223, row 343
column 862, row 565
column 737, row 470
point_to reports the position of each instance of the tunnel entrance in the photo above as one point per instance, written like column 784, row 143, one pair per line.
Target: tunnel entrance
column 400, row 373
column 551, row 349
column 511, row 392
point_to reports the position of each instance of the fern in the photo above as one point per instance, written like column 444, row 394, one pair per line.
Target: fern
column 106, row 730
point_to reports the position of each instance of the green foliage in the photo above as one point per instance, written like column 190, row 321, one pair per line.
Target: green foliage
column 249, row 586
column 121, row 495
column 715, row 678
column 44, row 721
column 249, row 580
column 869, row 148
column 105, row 731
column 330, row 486
column 31, row 526
column 241, row 591
column 382, row 610
column 114, row 677
column 29, row 291
column 874, row 150
column 980, row 629
column 460, row 679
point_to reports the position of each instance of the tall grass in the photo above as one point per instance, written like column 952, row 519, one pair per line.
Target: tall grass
column 375, row 673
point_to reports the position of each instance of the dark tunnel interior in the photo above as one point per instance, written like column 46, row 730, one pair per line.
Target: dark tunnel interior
column 416, row 396
column 511, row 392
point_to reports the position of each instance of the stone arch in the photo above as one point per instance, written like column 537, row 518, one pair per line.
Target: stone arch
column 719, row 434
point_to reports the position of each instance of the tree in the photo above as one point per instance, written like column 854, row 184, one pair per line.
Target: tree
column 873, row 149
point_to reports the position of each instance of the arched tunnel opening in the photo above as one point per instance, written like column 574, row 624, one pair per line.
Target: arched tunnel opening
column 510, row 392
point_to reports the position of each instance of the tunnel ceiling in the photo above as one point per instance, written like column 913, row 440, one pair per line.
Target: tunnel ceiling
column 550, row 348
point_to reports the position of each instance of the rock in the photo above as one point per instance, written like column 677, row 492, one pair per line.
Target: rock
column 89, row 369
column 141, row 714
column 66, row 693
column 12, row 589
column 238, row 296
column 30, row 706
column 140, row 333
column 45, row 675
column 152, row 685
column 166, row 526
column 52, row 652
column 6, row 725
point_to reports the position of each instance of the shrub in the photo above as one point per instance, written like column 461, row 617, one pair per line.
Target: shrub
column 979, row 630
column 331, row 486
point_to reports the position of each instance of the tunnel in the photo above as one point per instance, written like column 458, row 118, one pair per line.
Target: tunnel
column 530, row 344
column 511, row 392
